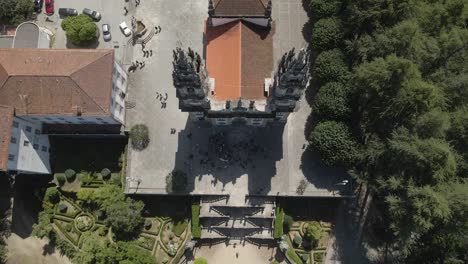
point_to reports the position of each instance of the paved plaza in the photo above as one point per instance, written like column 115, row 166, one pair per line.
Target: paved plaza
column 263, row 161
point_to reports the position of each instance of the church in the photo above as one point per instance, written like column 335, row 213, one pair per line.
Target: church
column 236, row 80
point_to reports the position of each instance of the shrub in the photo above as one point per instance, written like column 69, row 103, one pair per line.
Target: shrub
column 274, row 262
column 327, row 33
column 332, row 101
column 287, row 223
column 331, row 65
column 318, row 256
column 335, row 143
column 278, row 228
column 293, row 256
column 314, row 232
column 196, row 229
column 52, row 195
column 65, row 247
column 102, row 231
column 60, row 179
column 116, row 179
column 80, row 30
column 200, row 261
column 68, row 227
column 62, row 208
column 125, row 218
column 139, row 135
column 305, row 258
column 105, row 173
column 70, row 175
column 43, row 228
column 176, row 181
column 148, row 224
column 297, row 241
column 324, row 8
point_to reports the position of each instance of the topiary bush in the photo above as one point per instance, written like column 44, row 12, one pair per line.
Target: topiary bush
column 80, row 30
column 52, row 195
column 200, row 261
column 332, row 101
column 62, row 208
column 139, row 136
column 327, row 33
column 324, row 8
column 287, row 223
column 196, row 229
column 105, row 173
column 176, row 181
column 70, row 175
column 335, row 143
column 330, row 66
column 60, row 178
column 148, row 224
column 297, row 241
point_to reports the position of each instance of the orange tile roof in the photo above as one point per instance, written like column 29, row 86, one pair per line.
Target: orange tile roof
column 6, row 119
column 239, row 57
column 56, row 82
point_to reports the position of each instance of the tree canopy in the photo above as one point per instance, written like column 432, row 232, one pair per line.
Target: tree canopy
column 14, row 12
column 398, row 68
column 80, row 30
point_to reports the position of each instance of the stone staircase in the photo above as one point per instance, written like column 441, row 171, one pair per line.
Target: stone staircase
column 222, row 218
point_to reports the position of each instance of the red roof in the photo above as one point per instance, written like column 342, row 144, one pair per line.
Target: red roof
column 57, row 82
column 239, row 57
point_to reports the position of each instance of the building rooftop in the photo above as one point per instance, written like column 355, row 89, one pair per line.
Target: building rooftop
column 57, row 82
column 6, row 119
column 239, row 57
column 240, row 8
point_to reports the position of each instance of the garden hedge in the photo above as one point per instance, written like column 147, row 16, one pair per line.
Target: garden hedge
column 292, row 256
column 196, row 228
column 278, row 228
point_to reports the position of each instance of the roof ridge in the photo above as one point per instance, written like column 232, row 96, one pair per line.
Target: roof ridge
column 92, row 99
column 93, row 61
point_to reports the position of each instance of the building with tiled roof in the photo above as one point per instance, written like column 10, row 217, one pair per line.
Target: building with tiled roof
column 51, row 87
column 237, row 82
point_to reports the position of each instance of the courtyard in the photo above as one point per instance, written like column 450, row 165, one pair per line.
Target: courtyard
column 269, row 161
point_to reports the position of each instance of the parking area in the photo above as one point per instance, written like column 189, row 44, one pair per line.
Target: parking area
column 112, row 12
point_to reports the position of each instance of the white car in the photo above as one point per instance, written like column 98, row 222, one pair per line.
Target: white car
column 126, row 31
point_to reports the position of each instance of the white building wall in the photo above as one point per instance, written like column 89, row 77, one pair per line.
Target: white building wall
column 119, row 92
column 29, row 148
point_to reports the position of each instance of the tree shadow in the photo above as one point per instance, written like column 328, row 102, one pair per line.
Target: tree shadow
column 92, row 45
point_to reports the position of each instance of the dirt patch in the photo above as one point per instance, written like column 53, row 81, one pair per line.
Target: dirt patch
column 32, row 251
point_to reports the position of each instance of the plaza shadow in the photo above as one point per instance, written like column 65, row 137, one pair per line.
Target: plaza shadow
column 225, row 153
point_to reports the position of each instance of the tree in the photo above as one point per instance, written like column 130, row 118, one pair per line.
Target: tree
column 125, row 218
column 176, row 181
column 314, row 232
column 80, row 30
column 331, row 66
column 15, row 12
column 139, row 137
column 287, row 223
column 392, row 93
column 324, row 8
column 331, row 101
column 3, row 251
column 52, row 195
column 43, row 228
column 424, row 161
column 433, row 124
column 458, row 132
column 327, row 33
column 70, row 175
column 335, row 143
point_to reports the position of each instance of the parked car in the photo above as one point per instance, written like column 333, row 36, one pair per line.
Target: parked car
column 126, row 31
column 38, row 5
column 68, row 12
column 49, row 6
column 106, row 34
column 92, row 14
